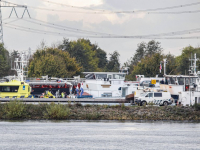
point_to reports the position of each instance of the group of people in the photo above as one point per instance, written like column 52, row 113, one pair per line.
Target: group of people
column 78, row 92
column 164, row 82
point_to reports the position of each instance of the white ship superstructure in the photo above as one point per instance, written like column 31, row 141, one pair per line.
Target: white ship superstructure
column 108, row 84
column 184, row 88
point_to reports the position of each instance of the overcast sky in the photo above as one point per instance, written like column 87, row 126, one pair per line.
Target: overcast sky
column 119, row 24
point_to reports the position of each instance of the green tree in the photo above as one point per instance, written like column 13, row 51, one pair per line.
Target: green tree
column 102, row 56
column 14, row 54
column 149, row 66
column 152, row 48
column 171, row 64
column 144, row 49
column 53, row 62
column 140, row 53
column 65, row 44
column 82, row 50
column 4, row 61
column 183, row 61
column 113, row 63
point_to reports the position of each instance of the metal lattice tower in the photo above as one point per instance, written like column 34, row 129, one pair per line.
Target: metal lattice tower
column 13, row 6
column 1, row 26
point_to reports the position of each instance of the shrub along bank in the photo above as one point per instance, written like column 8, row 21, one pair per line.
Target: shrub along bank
column 19, row 110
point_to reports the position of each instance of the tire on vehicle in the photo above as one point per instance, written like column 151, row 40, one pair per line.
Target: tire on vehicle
column 165, row 103
column 143, row 103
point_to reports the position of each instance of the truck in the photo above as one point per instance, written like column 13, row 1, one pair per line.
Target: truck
column 157, row 98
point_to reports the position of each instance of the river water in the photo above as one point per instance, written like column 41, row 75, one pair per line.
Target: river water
column 78, row 135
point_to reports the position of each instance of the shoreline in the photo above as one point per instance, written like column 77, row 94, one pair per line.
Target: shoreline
column 16, row 110
column 99, row 121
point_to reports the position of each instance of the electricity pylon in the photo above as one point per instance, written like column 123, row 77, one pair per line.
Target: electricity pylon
column 13, row 6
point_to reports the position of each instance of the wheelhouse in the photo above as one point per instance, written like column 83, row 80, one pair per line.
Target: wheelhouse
column 105, row 75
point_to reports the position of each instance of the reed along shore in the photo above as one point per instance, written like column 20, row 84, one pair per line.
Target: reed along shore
column 16, row 110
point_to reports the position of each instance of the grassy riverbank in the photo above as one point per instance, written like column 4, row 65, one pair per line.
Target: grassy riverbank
column 18, row 110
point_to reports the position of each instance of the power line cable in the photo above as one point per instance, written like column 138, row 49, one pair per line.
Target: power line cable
column 10, row 4
column 192, row 37
column 197, row 30
column 122, row 36
column 26, row 30
column 5, row 19
column 63, row 28
column 178, row 12
column 100, row 11
column 61, row 4
column 161, row 34
column 171, row 33
column 110, row 35
column 12, row 21
column 35, row 30
column 60, row 27
column 67, row 11
column 145, row 10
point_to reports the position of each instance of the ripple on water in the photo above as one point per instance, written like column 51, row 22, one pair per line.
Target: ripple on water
column 99, row 135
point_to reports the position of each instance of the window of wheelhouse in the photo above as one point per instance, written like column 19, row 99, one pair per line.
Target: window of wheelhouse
column 101, row 76
column 187, row 82
column 90, row 76
column 192, row 80
column 180, row 81
column 110, row 76
column 118, row 76
column 9, row 88
column 171, row 80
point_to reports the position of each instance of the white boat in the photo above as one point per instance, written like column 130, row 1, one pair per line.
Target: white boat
column 108, row 84
column 185, row 89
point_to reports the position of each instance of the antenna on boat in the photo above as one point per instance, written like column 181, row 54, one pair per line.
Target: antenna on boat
column 165, row 62
column 21, row 66
column 193, row 67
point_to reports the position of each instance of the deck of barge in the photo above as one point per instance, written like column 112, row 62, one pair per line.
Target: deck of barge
column 66, row 100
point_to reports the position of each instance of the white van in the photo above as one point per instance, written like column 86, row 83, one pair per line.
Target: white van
column 158, row 98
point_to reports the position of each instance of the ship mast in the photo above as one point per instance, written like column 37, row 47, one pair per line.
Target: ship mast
column 193, row 67
column 21, row 66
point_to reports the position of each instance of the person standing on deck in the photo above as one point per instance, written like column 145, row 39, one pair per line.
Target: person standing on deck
column 162, row 82
column 63, row 95
column 77, row 91
column 81, row 91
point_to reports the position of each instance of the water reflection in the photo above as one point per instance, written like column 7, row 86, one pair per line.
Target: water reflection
column 99, row 135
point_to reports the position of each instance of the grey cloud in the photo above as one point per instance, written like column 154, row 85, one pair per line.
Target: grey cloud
column 150, row 24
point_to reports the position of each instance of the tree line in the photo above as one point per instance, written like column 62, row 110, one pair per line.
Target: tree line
column 70, row 58
column 148, row 57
